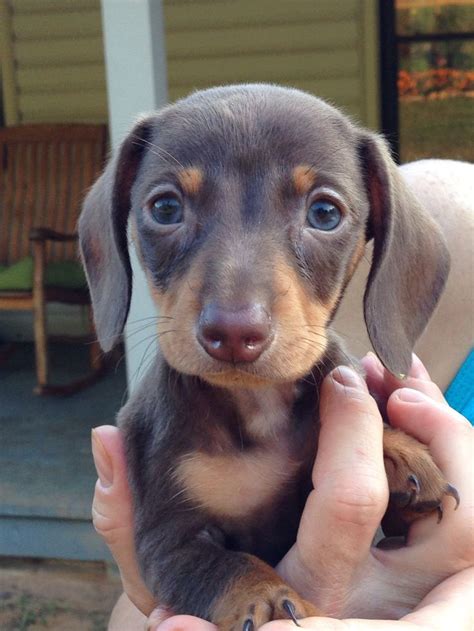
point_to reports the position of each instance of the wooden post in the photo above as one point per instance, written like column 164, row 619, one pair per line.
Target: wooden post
column 39, row 308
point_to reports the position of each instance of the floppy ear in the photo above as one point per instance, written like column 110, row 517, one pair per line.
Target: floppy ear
column 103, row 237
column 410, row 261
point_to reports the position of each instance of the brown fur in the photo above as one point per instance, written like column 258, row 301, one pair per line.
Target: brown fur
column 235, row 485
column 191, row 180
column 304, row 178
column 269, row 591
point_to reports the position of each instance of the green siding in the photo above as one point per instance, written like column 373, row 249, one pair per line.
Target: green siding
column 326, row 47
column 53, row 64
column 58, row 61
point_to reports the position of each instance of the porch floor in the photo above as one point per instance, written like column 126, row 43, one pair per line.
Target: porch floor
column 46, row 471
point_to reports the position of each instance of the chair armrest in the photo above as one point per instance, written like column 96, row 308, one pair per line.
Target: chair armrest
column 46, row 234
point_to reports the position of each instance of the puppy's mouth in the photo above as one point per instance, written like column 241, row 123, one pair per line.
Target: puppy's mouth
column 248, row 347
column 276, row 366
column 236, row 376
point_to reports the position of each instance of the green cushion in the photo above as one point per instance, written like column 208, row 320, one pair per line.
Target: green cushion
column 19, row 277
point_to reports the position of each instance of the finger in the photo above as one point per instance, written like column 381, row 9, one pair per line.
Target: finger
column 350, row 493
column 450, row 439
column 157, row 617
column 418, row 369
column 330, row 624
column 382, row 383
column 112, row 512
column 125, row 616
column 374, row 374
column 183, row 623
column 446, row 432
column 447, row 605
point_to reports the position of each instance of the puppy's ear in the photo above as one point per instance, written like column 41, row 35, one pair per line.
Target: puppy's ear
column 103, row 237
column 410, row 261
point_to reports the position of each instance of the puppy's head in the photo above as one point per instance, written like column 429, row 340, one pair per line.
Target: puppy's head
column 250, row 207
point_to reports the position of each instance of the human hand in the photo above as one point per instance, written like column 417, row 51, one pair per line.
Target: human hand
column 333, row 563
column 332, row 560
column 112, row 514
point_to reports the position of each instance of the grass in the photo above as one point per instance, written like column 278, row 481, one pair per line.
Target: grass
column 441, row 128
column 29, row 611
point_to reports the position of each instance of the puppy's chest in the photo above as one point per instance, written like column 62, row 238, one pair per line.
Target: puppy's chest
column 232, row 483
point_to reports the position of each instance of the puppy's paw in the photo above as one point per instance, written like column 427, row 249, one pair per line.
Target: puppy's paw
column 417, row 486
column 259, row 597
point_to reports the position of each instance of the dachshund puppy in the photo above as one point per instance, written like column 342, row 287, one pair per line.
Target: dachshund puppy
column 250, row 207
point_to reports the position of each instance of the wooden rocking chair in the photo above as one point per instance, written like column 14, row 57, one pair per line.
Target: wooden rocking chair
column 45, row 171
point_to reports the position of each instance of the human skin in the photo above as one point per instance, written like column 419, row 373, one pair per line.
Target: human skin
column 333, row 562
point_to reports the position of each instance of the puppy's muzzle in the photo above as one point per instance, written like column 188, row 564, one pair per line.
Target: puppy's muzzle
column 234, row 335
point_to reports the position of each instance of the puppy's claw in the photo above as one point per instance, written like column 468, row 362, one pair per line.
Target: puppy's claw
column 289, row 607
column 453, row 492
column 415, row 484
column 414, row 489
column 248, row 625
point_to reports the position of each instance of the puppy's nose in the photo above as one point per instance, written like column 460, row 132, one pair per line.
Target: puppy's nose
column 239, row 335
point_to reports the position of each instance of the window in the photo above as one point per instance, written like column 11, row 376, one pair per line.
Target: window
column 430, row 76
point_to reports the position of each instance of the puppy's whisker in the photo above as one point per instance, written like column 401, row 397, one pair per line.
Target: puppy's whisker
column 136, row 375
column 141, row 329
column 154, row 317
column 153, row 148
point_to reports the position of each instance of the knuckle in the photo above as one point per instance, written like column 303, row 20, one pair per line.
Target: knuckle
column 359, row 503
column 361, row 403
column 106, row 527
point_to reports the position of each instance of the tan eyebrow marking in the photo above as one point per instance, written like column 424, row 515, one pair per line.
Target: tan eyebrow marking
column 304, row 177
column 191, row 180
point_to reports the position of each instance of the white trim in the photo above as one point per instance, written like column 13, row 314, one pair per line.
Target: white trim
column 135, row 59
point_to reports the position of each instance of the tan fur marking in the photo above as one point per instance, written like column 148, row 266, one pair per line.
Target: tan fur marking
column 304, row 177
column 301, row 321
column 405, row 456
column 259, row 593
column 234, row 485
column 191, row 180
column 300, row 330
column 180, row 308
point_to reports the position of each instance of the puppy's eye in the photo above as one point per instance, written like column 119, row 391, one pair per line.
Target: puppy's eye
column 167, row 210
column 323, row 214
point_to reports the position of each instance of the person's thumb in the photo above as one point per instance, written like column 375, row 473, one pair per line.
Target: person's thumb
column 160, row 620
column 112, row 512
column 350, row 493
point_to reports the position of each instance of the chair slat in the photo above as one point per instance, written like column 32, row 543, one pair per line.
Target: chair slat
column 45, row 172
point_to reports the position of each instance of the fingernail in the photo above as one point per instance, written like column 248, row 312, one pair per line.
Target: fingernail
column 348, row 377
column 102, row 461
column 418, row 369
column 411, row 396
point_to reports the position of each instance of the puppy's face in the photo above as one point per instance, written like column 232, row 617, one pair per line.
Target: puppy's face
column 250, row 207
column 248, row 224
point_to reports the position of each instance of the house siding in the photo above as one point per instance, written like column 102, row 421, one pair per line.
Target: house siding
column 325, row 47
column 53, row 61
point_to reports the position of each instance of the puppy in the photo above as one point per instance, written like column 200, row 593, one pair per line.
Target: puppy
column 250, row 207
